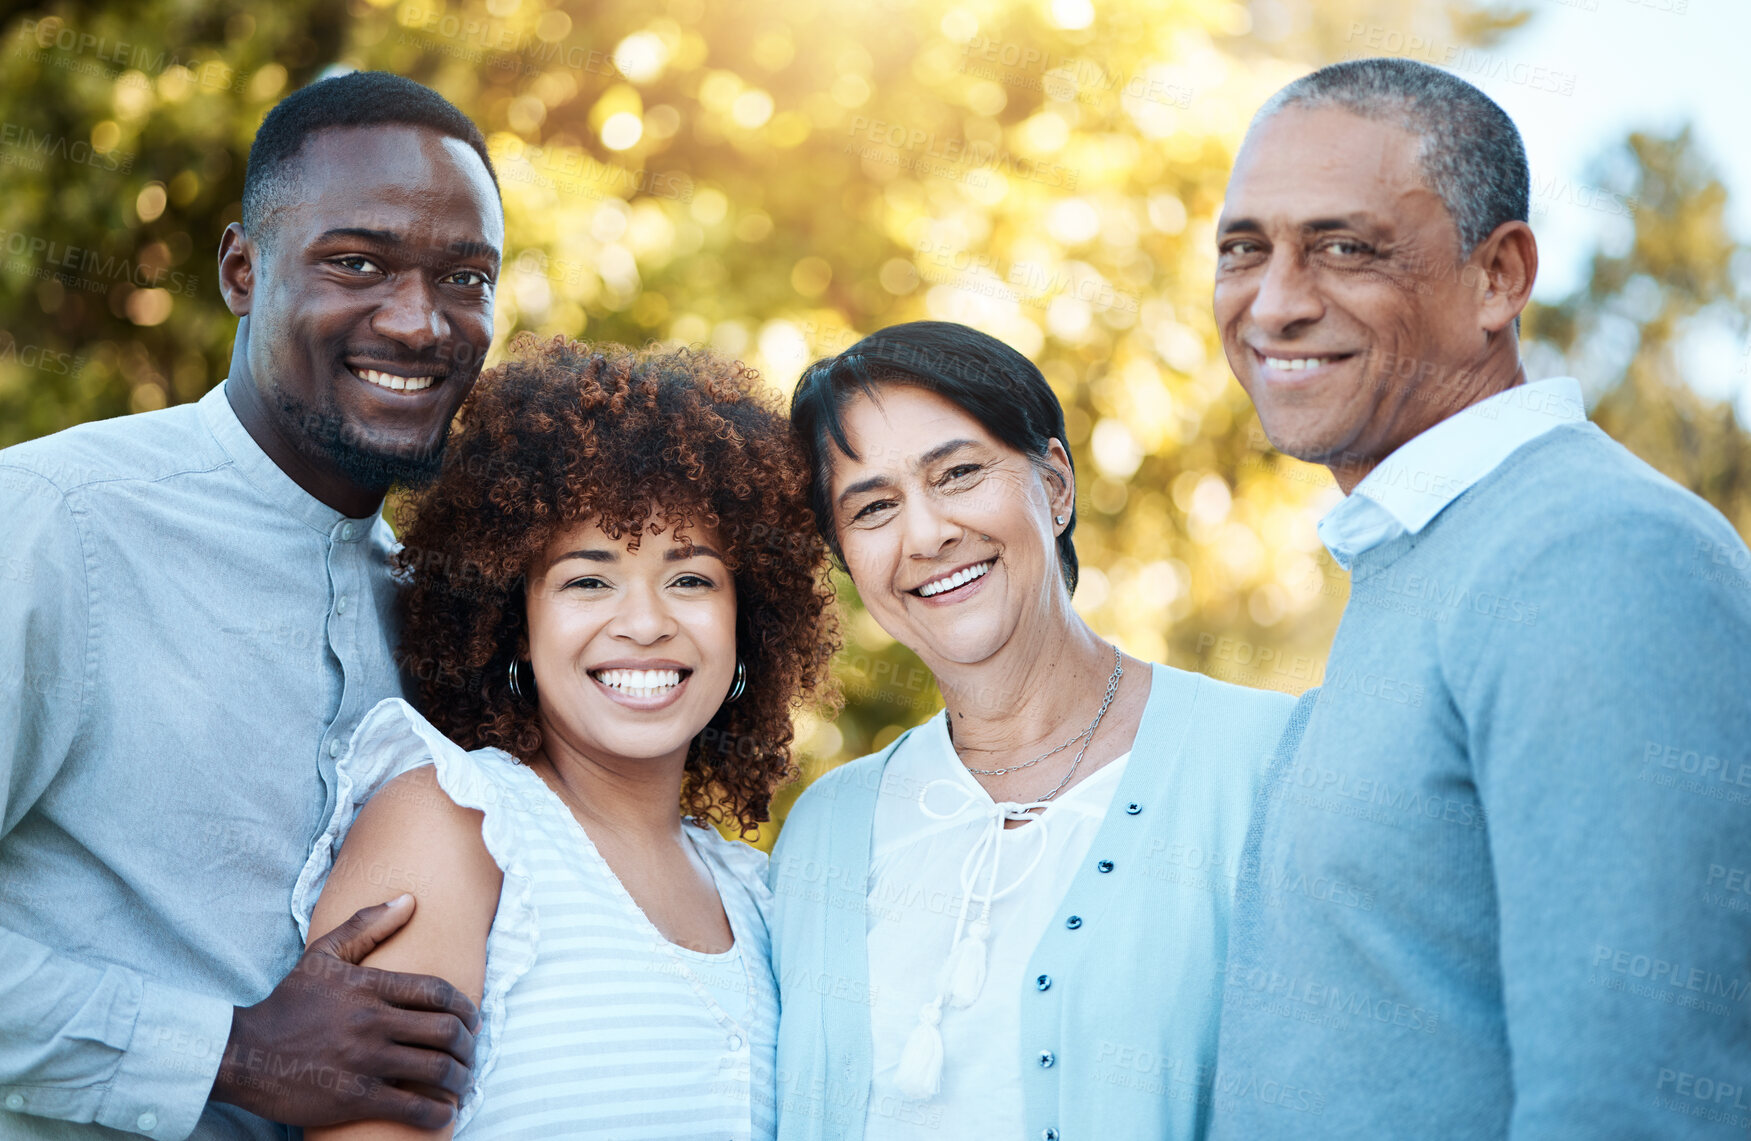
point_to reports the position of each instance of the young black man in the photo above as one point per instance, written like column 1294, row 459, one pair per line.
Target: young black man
column 205, row 614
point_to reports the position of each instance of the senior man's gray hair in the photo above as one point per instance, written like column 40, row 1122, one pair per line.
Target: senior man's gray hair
column 1471, row 156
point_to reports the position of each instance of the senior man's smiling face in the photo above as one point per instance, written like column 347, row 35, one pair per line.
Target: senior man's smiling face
column 1347, row 310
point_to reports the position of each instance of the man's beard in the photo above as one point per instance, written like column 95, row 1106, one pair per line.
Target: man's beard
column 326, row 435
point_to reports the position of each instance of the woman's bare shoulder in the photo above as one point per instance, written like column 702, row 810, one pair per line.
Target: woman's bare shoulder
column 411, row 837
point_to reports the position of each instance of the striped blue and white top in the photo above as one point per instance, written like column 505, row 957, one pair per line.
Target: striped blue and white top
column 592, row 1023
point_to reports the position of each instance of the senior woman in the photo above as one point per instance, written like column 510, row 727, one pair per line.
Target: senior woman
column 1012, row 921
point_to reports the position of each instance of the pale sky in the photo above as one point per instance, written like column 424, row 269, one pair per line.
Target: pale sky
column 1631, row 65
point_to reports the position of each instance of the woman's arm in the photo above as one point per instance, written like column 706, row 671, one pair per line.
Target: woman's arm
column 411, row 837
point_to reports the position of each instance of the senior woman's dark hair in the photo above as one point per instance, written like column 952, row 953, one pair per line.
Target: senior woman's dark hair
column 563, row 432
column 979, row 374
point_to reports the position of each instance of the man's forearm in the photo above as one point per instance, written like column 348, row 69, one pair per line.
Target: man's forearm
column 85, row 1043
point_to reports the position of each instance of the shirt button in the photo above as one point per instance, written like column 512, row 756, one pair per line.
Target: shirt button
column 346, row 530
column 334, row 747
column 147, row 1121
column 1073, row 922
column 1046, row 1059
column 1104, row 866
column 1049, row 1134
column 1044, row 982
column 14, row 1101
column 1133, row 808
column 340, row 605
column 735, row 1041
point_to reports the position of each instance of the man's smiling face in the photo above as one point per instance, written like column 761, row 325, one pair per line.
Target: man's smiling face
column 1340, row 286
column 371, row 311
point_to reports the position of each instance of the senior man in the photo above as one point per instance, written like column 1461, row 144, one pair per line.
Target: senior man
column 1482, row 894
column 206, row 614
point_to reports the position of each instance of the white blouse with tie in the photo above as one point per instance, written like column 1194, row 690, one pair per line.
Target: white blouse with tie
column 943, row 864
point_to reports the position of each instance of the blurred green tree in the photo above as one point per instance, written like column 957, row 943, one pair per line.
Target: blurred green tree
column 1625, row 330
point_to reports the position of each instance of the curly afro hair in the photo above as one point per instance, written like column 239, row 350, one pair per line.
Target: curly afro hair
column 566, row 432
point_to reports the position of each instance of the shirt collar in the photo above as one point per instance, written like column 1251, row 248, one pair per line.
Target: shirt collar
column 1417, row 482
column 262, row 472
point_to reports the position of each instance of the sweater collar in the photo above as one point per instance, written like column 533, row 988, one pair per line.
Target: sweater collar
column 1424, row 476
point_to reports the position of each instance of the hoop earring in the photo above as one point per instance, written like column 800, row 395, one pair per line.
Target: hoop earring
column 740, row 684
column 511, row 673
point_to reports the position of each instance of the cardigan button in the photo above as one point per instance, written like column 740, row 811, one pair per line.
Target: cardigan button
column 1073, row 922
column 1104, row 866
column 1046, row 1059
column 1133, row 808
column 1044, row 982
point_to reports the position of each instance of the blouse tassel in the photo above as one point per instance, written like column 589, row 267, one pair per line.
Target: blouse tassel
column 920, row 1072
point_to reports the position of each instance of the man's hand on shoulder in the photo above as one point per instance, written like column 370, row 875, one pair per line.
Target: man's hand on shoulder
column 334, row 1040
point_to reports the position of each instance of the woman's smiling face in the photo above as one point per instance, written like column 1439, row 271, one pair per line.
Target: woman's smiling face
column 633, row 651
column 947, row 532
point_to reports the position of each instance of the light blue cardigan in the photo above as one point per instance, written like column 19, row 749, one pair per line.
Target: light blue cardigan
column 1121, row 998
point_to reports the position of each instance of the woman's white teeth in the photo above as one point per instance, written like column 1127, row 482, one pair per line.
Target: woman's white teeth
column 398, row 383
column 1293, row 363
column 959, row 578
column 639, row 683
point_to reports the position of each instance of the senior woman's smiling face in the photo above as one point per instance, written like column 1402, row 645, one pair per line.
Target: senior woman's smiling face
column 947, row 532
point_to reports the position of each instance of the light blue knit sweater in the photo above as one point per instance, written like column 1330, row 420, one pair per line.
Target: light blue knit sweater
column 1503, row 887
column 1119, row 993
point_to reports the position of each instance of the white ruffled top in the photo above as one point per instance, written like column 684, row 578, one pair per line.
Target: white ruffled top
column 592, row 1023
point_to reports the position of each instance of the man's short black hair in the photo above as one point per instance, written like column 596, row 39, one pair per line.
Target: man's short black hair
column 357, row 99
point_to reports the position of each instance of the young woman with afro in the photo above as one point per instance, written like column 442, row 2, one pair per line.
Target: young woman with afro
column 614, row 598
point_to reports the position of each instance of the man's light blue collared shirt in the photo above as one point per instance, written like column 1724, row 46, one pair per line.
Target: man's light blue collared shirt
column 187, row 638
column 1415, row 483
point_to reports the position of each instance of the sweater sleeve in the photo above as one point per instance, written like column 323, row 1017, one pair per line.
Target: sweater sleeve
column 1610, row 732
